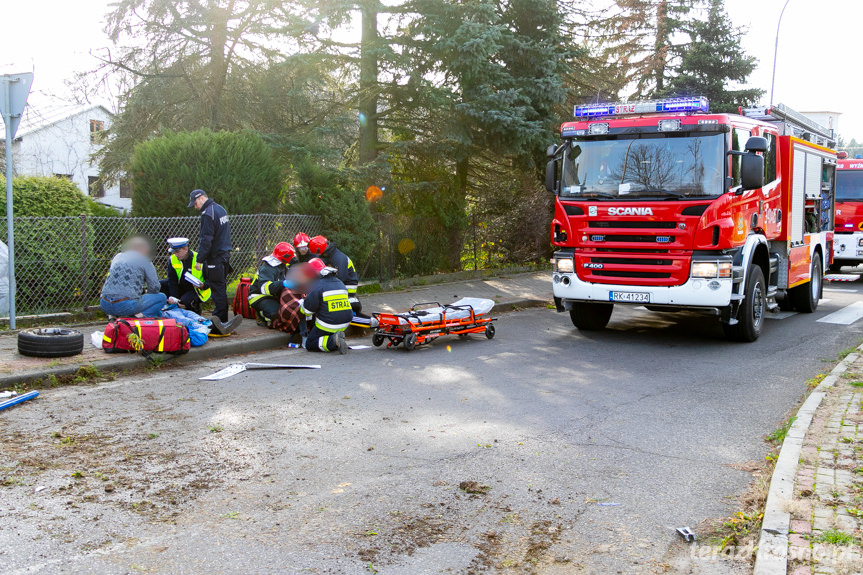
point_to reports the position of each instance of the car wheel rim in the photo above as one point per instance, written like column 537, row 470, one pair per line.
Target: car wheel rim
column 816, row 283
column 757, row 305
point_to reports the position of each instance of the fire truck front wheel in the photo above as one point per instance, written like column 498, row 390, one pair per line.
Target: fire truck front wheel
column 588, row 316
column 750, row 316
column 806, row 296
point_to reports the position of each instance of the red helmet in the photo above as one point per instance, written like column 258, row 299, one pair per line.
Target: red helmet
column 318, row 244
column 284, row 252
column 316, row 266
column 301, row 240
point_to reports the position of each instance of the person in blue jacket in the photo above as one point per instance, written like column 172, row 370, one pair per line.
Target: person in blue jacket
column 214, row 254
column 328, row 303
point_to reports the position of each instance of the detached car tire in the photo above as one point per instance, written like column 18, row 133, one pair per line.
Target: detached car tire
column 50, row 342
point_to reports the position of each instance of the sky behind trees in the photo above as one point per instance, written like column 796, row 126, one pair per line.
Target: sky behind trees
column 816, row 68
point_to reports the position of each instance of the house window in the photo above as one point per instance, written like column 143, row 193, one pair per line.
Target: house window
column 125, row 188
column 64, row 176
column 97, row 131
column 97, row 190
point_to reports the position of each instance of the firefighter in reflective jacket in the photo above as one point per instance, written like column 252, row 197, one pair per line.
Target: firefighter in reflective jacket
column 320, row 247
column 185, row 286
column 267, row 288
column 328, row 302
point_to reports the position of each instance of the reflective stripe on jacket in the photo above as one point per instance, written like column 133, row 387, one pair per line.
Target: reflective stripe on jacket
column 179, row 268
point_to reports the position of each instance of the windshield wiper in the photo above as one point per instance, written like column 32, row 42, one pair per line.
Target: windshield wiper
column 669, row 195
column 596, row 194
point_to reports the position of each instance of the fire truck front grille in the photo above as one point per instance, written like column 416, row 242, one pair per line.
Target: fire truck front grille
column 633, row 239
column 631, row 274
column 632, row 225
column 633, row 261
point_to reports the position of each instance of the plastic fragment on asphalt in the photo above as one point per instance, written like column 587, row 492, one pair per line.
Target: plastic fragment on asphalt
column 38, row 489
column 686, row 533
column 20, row 399
column 358, row 347
column 236, row 368
column 608, row 504
column 7, row 394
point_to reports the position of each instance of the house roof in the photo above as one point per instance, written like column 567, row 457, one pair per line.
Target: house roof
column 44, row 117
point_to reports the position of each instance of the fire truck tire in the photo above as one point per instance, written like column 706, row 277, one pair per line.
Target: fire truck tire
column 590, row 316
column 750, row 316
column 806, row 296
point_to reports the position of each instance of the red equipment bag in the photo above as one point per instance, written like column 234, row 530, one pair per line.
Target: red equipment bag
column 241, row 299
column 146, row 335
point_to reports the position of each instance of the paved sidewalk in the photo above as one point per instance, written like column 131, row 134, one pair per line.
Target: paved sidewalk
column 508, row 292
column 826, row 531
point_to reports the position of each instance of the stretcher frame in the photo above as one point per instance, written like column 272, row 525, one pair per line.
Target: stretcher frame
column 412, row 334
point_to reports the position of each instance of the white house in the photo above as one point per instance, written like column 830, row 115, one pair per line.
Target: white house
column 61, row 142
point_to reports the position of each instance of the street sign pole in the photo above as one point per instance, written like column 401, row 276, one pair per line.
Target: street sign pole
column 16, row 88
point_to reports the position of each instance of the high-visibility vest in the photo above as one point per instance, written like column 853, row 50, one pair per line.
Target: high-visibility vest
column 177, row 264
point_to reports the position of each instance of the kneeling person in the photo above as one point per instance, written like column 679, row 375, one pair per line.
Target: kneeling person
column 186, row 285
column 328, row 302
column 265, row 291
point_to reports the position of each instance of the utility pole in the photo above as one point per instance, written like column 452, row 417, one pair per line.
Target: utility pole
column 16, row 89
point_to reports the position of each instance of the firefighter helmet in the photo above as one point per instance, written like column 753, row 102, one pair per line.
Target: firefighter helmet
column 301, row 240
column 284, row 252
column 317, row 266
column 318, row 244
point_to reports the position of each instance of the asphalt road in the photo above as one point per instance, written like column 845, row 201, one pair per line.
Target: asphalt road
column 591, row 448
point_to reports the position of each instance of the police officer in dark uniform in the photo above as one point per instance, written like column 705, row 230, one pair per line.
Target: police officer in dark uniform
column 214, row 254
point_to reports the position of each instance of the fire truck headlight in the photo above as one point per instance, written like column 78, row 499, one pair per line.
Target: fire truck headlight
column 565, row 266
column 705, row 269
column 710, row 270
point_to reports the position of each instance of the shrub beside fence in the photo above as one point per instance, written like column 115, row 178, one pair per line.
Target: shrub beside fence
column 61, row 263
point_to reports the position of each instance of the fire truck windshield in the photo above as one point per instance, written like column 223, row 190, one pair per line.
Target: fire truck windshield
column 663, row 166
column 849, row 186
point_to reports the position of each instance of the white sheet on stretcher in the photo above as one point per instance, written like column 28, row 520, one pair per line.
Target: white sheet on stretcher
column 433, row 314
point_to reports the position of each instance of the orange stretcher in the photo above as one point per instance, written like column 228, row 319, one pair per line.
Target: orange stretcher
column 426, row 322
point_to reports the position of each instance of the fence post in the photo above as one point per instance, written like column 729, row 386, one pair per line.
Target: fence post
column 258, row 238
column 85, row 277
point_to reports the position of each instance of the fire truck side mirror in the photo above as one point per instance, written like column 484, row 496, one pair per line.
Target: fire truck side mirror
column 756, row 144
column 551, row 176
column 751, row 171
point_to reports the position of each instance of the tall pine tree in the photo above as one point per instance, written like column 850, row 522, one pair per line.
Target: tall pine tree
column 712, row 63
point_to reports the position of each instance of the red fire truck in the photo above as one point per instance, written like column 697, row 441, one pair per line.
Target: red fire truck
column 664, row 205
column 848, row 241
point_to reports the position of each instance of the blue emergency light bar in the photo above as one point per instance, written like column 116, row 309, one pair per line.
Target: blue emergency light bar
column 674, row 105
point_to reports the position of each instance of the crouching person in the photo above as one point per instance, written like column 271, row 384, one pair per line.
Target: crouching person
column 132, row 287
column 328, row 302
column 265, row 292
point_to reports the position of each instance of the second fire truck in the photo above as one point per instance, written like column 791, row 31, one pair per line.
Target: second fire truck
column 665, row 205
column 848, row 241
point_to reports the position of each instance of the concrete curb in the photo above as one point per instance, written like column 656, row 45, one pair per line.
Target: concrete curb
column 265, row 342
column 771, row 558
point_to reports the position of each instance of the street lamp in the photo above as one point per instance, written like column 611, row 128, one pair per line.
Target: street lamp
column 776, row 51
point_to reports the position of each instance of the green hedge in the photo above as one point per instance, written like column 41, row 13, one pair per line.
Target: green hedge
column 237, row 169
column 344, row 211
column 46, row 263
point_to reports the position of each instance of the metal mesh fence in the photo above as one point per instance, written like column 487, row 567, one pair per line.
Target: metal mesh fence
column 61, row 263
column 412, row 246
